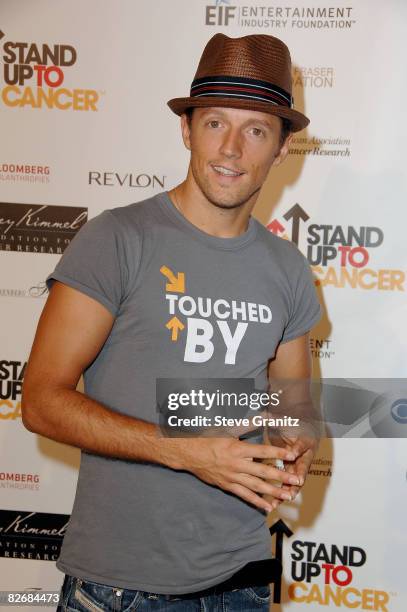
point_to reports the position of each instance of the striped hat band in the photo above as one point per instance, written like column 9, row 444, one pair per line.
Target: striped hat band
column 242, row 88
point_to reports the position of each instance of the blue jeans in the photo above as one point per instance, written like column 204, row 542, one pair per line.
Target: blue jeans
column 84, row 596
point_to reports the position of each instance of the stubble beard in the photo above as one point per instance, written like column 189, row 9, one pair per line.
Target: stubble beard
column 238, row 202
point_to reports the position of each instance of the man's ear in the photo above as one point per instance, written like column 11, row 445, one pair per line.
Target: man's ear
column 280, row 157
column 186, row 131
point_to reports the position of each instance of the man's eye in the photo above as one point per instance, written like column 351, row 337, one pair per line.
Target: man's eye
column 257, row 132
column 214, row 123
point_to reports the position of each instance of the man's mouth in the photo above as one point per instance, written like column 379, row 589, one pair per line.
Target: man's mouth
column 226, row 171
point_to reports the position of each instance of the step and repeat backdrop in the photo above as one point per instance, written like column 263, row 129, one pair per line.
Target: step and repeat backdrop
column 85, row 126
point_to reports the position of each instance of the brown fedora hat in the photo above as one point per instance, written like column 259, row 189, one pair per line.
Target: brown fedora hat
column 252, row 72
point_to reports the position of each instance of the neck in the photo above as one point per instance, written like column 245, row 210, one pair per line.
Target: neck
column 220, row 222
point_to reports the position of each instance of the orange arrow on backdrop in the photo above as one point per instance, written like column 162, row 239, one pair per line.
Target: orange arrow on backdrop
column 177, row 283
column 175, row 326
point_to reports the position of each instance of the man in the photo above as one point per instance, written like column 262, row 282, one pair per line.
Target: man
column 183, row 285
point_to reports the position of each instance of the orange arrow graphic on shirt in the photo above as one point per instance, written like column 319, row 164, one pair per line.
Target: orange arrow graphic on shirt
column 175, row 326
column 177, row 283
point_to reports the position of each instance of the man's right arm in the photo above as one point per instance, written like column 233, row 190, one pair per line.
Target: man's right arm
column 71, row 331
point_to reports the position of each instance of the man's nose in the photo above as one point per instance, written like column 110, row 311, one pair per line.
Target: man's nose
column 231, row 145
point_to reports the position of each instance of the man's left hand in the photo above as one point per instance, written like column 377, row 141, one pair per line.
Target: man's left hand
column 306, row 449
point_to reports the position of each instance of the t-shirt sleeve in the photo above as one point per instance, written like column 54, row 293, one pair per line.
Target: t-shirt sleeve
column 306, row 310
column 95, row 262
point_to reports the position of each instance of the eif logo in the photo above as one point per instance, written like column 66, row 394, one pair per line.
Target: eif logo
column 220, row 15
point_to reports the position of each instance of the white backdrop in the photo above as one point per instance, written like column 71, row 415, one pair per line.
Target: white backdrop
column 345, row 171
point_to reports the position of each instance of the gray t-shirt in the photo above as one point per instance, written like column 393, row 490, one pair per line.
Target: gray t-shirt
column 142, row 525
